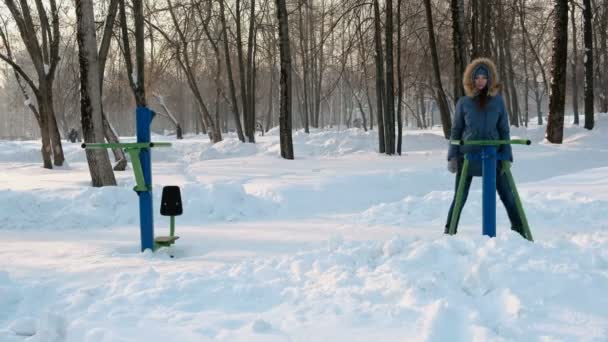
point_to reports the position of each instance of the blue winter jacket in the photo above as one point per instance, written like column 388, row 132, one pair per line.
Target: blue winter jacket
column 472, row 123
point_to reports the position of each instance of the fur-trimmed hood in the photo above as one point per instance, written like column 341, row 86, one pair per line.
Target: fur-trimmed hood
column 467, row 78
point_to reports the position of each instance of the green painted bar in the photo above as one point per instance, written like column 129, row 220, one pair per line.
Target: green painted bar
column 526, row 227
column 172, row 228
column 459, row 195
column 125, row 145
column 137, row 170
column 492, row 142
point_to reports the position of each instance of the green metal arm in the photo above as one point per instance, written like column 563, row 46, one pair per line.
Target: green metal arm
column 126, row 145
column 133, row 150
column 491, row 142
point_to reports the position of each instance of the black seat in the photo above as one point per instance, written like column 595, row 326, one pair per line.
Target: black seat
column 171, row 204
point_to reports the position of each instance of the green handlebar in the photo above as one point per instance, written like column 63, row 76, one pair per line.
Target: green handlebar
column 125, row 145
column 133, row 149
column 492, row 142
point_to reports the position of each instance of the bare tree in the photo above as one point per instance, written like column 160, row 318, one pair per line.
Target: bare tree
column 588, row 42
column 44, row 56
column 389, row 122
column 574, row 62
column 90, row 95
column 169, row 115
column 380, row 98
column 183, row 52
column 235, row 106
column 285, row 106
column 459, row 46
column 440, row 94
column 108, row 130
column 559, row 58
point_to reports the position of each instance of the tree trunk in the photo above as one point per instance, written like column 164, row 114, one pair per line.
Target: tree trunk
column 242, row 71
column 169, row 115
column 603, row 38
column 515, row 114
column 574, row 63
column 270, row 112
column 90, row 95
column 305, row 70
column 389, row 122
column 559, row 61
column 525, row 60
column 285, row 81
column 440, row 94
column 538, row 99
column 46, row 149
column 112, row 137
column 399, row 82
column 588, row 41
column 250, row 123
column 380, row 99
column 365, row 74
column 109, row 132
column 235, row 106
column 58, row 157
column 459, row 46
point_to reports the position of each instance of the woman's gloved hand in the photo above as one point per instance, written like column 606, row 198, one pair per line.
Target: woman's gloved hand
column 453, row 165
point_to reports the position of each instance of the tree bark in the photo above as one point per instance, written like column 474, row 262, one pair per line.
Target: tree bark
column 588, row 41
column 90, row 95
column 235, row 106
column 250, row 123
column 389, row 122
column 380, row 98
column 285, row 81
column 399, row 82
column 440, row 94
column 305, row 70
column 559, row 60
column 459, row 46
column 574, row 63
column 109, row 132
column 525, row 61
column 603, row 38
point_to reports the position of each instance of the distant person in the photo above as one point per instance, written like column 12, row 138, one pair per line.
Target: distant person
column 73, row 135
column 481, row 115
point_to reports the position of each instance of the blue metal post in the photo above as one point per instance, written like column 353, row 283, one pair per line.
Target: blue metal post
column 144, row 118
column 488, row 157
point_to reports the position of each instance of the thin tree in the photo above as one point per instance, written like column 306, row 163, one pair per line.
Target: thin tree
column 458, row 46
column 285, row 82
column 389, row 122
column 525, row 61
column 559, row 59
column 574, row 62
column 235, row 106
column 183, row 51
column 588, row 63
column 440, row 94
column 135, row 76
column 380, row 98
column 399, row 82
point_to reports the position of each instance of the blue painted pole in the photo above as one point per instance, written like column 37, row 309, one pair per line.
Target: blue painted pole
column 488, row 156
column 143, row 120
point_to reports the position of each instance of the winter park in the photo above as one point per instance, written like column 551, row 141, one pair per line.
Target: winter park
column 303, row 170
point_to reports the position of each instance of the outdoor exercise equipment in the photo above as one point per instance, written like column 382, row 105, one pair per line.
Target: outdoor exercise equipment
column 139, row 153
column 488, row 156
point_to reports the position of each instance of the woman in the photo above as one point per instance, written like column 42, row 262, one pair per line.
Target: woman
column 481, row 115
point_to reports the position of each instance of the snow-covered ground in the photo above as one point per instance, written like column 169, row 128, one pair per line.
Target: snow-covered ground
column 341, row 244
